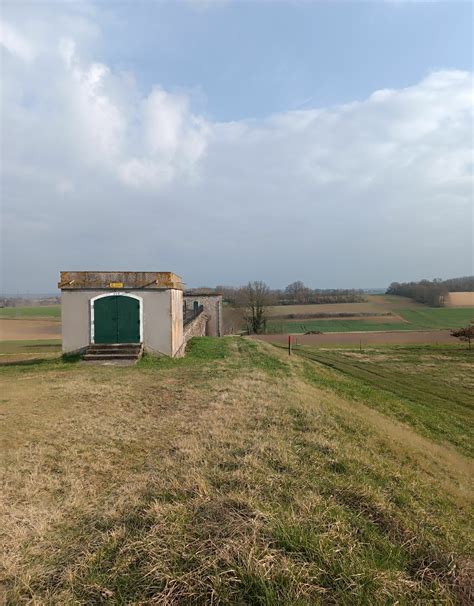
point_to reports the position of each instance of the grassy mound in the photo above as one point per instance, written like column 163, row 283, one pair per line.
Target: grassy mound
column 236, row 475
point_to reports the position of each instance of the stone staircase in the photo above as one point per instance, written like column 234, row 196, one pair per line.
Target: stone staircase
column 127, row 353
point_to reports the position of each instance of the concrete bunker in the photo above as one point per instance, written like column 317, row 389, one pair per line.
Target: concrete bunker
column 145, row 309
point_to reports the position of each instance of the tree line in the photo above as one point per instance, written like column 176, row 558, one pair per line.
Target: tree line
column 295, row 293
column 431, row 292
column 248, row 304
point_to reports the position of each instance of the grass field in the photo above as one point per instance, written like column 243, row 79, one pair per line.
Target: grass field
column 393, row 302
column 438, row 318
column 425, row 318
column 239, row 475
column 429, row 387
column 45, row 311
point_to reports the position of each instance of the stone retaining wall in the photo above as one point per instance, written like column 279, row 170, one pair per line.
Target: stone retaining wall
column 212, row 305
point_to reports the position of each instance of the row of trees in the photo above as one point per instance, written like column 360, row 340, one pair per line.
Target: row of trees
column 431, row 292
column 463, row 284
column 254, row 299
column 298, row 293
column 249, row 303
column 295, row 293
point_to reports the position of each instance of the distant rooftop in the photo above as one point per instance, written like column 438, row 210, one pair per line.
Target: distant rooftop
column 75, row 280
column 202, row 293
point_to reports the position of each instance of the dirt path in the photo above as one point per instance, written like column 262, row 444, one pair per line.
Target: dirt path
column 366, row 338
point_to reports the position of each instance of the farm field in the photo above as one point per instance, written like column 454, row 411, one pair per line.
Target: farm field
column 240, row 475
column 28, row 329
column 42, row 311
column 394, row 302
column 460, row 299
column 366, row 307
column 435, row 384
column 373, row 304
column 425, row 318
column 348, row 339
column 30, row 323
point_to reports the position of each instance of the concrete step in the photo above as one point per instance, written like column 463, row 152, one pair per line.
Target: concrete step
column 114, row 350
column 104, row 352
column 114, row 346
column 120, row 356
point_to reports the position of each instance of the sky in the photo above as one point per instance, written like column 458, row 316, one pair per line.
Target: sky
column 328, row 142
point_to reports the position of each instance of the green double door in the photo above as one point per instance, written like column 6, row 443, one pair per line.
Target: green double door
column 116, row 320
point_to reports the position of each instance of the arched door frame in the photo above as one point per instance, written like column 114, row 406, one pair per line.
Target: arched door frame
column 119, row 293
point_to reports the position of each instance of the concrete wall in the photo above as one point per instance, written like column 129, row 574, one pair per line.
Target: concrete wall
column 176, row 320
column 162, row 312
column 212, row 305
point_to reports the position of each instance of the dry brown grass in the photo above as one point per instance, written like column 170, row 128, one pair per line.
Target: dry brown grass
column 222, row 478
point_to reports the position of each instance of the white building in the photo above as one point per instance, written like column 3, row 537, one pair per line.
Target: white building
column 148, row 310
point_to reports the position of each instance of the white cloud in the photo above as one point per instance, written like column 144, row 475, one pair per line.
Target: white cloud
column 172, row 141
column 91, row 106
column 365, row 191
column 15, row 43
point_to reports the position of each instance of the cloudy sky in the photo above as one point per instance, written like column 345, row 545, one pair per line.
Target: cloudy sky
column 324, row 142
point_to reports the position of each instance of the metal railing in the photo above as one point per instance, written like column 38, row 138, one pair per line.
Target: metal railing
column 190, row 314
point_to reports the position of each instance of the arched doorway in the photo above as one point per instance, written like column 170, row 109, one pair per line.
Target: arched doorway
column 116, row 319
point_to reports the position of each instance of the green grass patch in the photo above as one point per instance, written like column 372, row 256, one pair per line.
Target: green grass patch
column 41, row 311
column 199, row 350
column 443, row 317
column 333, row 326
column 238, row 354
column 40, row 364
column 430, row 388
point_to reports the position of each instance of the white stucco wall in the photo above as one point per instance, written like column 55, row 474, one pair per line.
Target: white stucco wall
column 176, row 320
column 162, row 318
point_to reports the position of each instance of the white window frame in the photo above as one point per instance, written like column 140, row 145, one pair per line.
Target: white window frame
column 119, row 293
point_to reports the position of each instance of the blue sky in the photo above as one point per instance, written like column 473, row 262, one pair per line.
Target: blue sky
column 250, row 59
column 329, row 142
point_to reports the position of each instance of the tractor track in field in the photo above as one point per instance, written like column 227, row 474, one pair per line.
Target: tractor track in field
column 393, row 383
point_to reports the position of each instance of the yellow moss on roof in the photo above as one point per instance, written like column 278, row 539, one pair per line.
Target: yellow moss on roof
column 75, row 280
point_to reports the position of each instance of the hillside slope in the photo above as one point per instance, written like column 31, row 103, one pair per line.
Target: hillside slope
column 227, row 477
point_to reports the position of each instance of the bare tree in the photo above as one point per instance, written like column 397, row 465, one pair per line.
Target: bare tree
column 465, row 334
column 298, row 292
column 256, row 297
